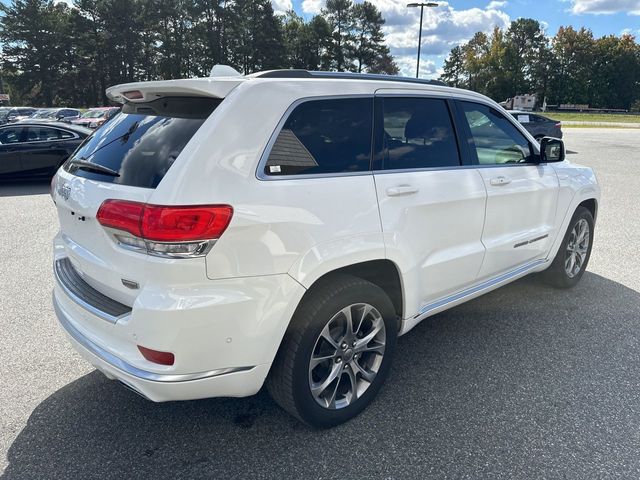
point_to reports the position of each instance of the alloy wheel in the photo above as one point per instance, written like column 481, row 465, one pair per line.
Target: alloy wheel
column 577, row 248
column 347, row 356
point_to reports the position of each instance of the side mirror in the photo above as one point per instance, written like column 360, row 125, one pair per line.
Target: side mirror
column 551, row 150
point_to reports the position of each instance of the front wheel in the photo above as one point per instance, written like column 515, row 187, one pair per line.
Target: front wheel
column 574, row 253
column 336, row 353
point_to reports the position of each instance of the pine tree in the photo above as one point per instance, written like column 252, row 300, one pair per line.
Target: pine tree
column 339, row 16
column 370, row 52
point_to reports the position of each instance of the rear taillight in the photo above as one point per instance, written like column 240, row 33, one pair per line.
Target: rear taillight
column 558, row 125
column 166, row 230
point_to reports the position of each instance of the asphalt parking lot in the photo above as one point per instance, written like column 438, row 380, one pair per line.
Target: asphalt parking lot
column 526, row 382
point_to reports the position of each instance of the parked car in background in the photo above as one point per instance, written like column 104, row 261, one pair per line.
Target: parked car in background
column 538, row 125
column 32, row 149
column 4, row 113
column 211, row 242
column 15, row 114
column 96, row 117
column 56, row 114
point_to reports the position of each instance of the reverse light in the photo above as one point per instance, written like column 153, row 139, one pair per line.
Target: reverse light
column 171, row 231
column 155, row 356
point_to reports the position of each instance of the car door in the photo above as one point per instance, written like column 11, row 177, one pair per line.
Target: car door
column 431, row 202
column 10, row 137
column 45, row 148
column 521, row 192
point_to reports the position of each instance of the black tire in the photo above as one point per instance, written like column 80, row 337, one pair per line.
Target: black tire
column 556, row 275
column 288, row 381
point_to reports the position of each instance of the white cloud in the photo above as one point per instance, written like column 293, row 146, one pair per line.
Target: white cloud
column 312, row 6
column 443, row 28
column 597, row 7
column 496, row 4
column 281, row 6
column 407, row 65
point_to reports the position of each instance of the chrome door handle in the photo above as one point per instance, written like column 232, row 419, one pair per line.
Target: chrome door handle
column 401, row 190
column 501, row 180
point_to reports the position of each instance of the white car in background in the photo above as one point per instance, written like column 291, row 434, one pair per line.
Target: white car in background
column 287, row 226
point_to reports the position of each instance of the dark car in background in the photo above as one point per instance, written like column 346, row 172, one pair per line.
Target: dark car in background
column 96, row 117
column 539, row 126
column 56, row 114
column 35, row 149
column 20, row 113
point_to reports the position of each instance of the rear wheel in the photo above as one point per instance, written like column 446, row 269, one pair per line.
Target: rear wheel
column 574, row 253
column 336, row 353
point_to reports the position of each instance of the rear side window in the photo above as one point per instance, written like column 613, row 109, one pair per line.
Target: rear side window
column 418, row 133
column 10, row 135
column 142, row 143
column 44, row 134
column 324, row 136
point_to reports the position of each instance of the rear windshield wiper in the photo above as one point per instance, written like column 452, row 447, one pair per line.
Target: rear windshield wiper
column 93, row 167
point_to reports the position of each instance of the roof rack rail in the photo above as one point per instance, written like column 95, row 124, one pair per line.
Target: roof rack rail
column 297, row 73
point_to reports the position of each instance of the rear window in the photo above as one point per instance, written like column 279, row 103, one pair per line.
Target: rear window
column 324, row 136
column 141, row 143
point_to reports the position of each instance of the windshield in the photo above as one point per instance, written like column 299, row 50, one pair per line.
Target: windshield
column 94, row 113
column 142, row 143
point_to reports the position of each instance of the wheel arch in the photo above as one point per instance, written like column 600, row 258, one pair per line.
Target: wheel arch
column 381, row 272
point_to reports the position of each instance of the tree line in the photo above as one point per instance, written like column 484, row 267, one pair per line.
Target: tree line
column 572, row 67
column 54, row 54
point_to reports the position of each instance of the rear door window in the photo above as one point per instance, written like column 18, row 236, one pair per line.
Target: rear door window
column 417, row 133
column 324, row 136
column 142, row 143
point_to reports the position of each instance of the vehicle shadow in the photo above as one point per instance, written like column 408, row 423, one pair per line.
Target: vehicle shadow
column 20, row 188
column 525, row 382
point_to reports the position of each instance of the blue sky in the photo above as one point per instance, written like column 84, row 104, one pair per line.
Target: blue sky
column 453, row 23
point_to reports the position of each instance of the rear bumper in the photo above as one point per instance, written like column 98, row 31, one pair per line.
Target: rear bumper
column 224, row 335
column 162, row 387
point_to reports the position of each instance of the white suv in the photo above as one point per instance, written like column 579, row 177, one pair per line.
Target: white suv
column 285, row 227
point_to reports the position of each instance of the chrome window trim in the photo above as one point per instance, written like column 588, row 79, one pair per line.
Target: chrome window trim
column 260, row 175
column 125, row 367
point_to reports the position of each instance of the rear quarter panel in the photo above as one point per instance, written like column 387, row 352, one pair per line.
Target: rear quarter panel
column 278, row 225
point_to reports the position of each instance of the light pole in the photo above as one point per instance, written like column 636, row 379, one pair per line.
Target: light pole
column 421, row 5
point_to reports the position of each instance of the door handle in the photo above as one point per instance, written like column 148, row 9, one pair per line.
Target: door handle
column 499, row 181
column 401, row 190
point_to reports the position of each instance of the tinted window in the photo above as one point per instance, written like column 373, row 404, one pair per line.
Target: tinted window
column 43, row 134
column 143, row 142
column 10, row 135
column 494, row 139
column 418, row 133
column 324, row 136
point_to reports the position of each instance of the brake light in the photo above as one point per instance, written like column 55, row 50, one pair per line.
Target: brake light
column 155, row 356
column 133, row 95
column 166, row 230
column 558, row 125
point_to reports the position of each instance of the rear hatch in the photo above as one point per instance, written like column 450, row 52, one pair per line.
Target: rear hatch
column 126, row 160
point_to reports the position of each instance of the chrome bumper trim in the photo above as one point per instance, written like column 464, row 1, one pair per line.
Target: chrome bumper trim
column 127, row 368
